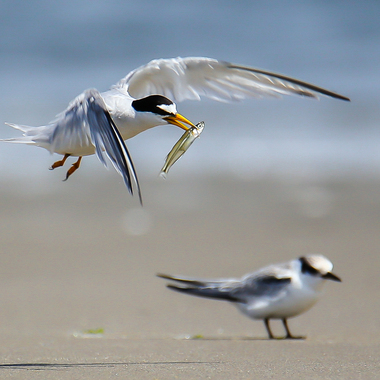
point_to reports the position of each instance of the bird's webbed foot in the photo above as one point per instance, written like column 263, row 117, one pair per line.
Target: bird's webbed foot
column 60, row 163
column 73, row 168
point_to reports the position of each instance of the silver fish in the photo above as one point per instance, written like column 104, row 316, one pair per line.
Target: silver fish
column 181, row 146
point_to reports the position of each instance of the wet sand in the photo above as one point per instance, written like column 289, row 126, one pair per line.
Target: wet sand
column 82, row 255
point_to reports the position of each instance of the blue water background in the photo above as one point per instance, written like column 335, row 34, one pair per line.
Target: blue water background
column 52, row 51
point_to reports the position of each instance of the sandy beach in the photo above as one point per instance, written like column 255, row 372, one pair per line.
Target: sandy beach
column 269, row 181
column 80, row 300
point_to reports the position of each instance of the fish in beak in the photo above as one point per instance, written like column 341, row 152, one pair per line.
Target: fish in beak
column 181, row 146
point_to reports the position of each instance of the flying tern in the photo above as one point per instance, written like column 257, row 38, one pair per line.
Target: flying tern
column 99, row 122
column 279, row 291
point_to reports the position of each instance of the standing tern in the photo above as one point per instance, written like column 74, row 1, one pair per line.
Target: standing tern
column 99, row 123
column 278, row 291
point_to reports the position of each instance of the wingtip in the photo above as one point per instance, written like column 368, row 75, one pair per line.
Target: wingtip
column 295, row 81
column 163, row 275
column 179, row 288
column 173, row 287
column 338, row 96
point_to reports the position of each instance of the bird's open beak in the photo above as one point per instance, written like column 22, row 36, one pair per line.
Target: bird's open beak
column 331, row 276
column 177, row 120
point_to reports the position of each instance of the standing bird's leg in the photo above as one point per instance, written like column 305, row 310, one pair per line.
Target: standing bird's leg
column 288, row 333
column 57, row 164
column 74, row 167
column 266, row 322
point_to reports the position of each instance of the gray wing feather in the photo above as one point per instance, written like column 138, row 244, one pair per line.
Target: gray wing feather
column 196, row 281
column 268, row 281
column 87, row 120
column 206, row 292
column 71, row 126
column 217, row 289
column 196, row 77
column 265, row 282
column 262, row 286
column 108, row 141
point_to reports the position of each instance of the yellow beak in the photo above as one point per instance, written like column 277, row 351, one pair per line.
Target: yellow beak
column 177, row 120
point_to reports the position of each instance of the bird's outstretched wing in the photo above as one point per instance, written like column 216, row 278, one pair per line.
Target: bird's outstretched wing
column 196, row 77
column 87, row 118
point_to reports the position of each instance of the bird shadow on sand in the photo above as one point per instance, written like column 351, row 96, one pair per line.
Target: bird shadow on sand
column 240, row 338
column 61, row 366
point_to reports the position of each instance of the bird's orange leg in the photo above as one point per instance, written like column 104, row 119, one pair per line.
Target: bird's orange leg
column 61, row 162
column 73, row 168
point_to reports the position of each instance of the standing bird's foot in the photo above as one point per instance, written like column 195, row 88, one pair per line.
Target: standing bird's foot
column 288, row 333
column 295, row 337
column 267, row 326
column 60, row 163
column 73, row 168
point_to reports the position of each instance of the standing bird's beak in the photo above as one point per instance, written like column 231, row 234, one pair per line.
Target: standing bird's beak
column 331, row 276
column 177, row 120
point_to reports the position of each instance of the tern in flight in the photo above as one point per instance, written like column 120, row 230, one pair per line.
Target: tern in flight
column 99, row 122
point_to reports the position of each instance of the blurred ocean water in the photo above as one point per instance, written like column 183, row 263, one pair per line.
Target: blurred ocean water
column 52, row 51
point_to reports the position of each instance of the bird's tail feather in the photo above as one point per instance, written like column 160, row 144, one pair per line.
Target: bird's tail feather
column 214, row 293
column 22, row 128
column 191, row 281
column 31, row 135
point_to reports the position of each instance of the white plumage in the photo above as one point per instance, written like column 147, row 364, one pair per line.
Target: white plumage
column 98, row 123
column 278, row 291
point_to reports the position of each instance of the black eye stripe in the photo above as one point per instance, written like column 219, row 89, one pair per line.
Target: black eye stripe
column 306, row 267
column 151, row 104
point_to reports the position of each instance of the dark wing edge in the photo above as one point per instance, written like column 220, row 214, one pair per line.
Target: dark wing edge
column 201, row 81
column 205, row 289
column 290, row 80
column 108, row 141
column 213, row 293
column 260, row 285
column 180, row 279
